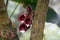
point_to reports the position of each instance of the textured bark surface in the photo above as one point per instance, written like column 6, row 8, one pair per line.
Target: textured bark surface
column 3, row 13
column 39, row 20
column 6, row 24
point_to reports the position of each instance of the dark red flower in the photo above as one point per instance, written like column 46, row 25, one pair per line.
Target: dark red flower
column 21, row 18
column 30, row 15
column 28, row 20
column 29, row 9
column 23, row 27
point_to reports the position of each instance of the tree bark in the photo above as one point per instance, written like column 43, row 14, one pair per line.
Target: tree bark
column 39, row 20
column 3, row 13
column 5, row 23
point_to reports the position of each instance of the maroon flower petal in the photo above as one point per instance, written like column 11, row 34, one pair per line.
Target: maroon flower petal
column 30, row 15
column 28, row 21
column 29, row 9
column 23, row 27
column 21, row 18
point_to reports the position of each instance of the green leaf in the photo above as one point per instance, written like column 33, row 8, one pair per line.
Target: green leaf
column 27, row 1
column 17, row 1
column 31, row 1
column 50, row 14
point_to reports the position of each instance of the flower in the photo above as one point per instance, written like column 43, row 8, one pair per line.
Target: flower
column 21, row 18
column 29, row 9
column 28, row 20
column 25, row 20
column 23, row 27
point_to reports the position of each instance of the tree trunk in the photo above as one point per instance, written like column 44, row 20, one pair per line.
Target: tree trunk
column 6, row 24
column 3, row 13
column 39, row 20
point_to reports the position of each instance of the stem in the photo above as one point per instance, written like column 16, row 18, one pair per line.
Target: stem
column 14, row 10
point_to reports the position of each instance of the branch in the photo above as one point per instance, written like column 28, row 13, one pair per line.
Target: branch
column 39, row 20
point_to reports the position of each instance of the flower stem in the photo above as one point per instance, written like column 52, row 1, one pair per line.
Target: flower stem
column 14, row 10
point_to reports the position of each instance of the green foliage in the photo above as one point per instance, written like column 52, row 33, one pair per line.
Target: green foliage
column 17, row 1
column 31, row 1
column 50, row 14
column 27, row 1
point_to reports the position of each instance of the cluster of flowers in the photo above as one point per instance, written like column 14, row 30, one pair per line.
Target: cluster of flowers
column 25, row 20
